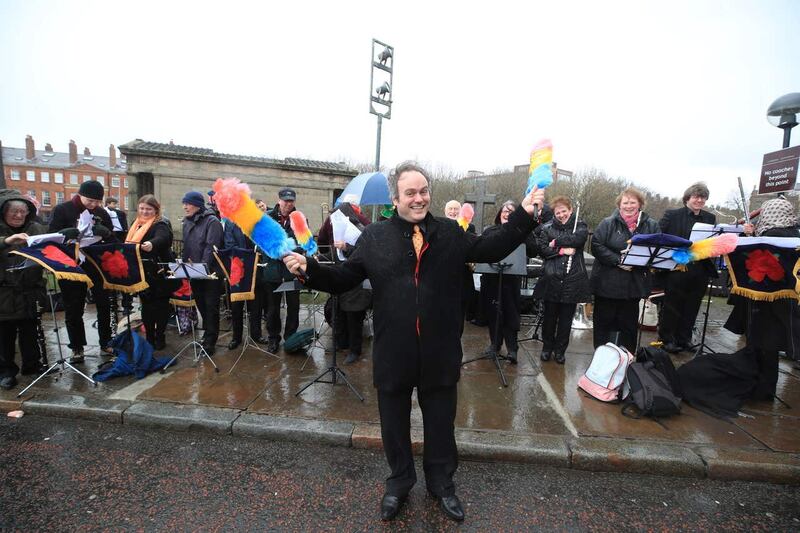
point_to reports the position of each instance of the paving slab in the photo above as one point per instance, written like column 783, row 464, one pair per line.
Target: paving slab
column 499, row 446
column 779, row 433
column 76, row 406
column 181, row 417
column 748, row 465
column 621, row 455
column 294, row 429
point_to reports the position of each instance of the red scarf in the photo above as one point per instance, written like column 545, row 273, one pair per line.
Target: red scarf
column 631, row 221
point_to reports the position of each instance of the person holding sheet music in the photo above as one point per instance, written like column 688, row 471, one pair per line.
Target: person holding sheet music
column 65, row 220
column 154, row 235
column 202, row 231
column 564, row 283
column 19, row 289
column 617, row 288
column 684, row 289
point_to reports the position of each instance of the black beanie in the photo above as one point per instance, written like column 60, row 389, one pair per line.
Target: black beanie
column 91, row 189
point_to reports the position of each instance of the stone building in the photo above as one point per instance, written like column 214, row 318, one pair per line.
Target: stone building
column 169, row 170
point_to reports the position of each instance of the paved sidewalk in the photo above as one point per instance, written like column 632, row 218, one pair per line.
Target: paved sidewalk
column 540, row 417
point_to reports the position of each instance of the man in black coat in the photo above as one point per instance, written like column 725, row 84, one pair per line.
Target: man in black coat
column 684, row 290
column 415, row 263
column 119, row 219
column 65, row 220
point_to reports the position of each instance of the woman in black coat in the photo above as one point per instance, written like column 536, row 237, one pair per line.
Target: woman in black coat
column 560, row 243
column 510, row 296
column 154, row 234
column 618, row 288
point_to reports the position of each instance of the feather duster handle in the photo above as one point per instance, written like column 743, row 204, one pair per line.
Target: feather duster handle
column 234, row 202
column 301, row 232
column 703, row 249
column 541, row 169
column 465, row 215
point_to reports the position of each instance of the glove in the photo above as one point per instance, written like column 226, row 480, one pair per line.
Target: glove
column 101, row 231
column 69, row 233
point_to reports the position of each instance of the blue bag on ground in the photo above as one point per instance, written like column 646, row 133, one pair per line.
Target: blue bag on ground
column 141, row 364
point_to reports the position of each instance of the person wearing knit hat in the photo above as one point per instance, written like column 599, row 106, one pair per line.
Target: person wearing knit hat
column 65, row 220
column 194, row 198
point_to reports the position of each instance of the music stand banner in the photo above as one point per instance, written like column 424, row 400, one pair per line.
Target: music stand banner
column 59, row 259
column 765, row 268
column 239, row 266
column 119, row 264
column 183, row 296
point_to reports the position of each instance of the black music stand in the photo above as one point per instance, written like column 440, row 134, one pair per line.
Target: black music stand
column 514, row 265
column 61, row 362
column 191, row 271
column 701, row 347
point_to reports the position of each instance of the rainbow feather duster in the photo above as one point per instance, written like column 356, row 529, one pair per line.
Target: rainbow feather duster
column 465, row 215
column 301, row 232
column 234, row 202
column 541, row 169
column 703, row 249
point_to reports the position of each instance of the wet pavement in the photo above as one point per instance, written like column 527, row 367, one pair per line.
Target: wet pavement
column 541, row 399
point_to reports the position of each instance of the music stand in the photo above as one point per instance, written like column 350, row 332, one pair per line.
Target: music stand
column 514, row 265
column 701, row 347
column 180, row 270
column 61, row 362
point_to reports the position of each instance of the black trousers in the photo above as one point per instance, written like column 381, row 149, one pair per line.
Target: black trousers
column 611, row 316
column 440, row 455
column 273, row 305
column 557, row 326
column 73, row 294
column 155, row 315
column 27, row 344
column 684, row 293
column 254, row 316
column 206, row 294
column 349, row 329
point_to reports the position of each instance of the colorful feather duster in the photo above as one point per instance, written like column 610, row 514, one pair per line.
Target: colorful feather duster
column 301, row 232
column 234, row 202
column 465, row 215
column 541, row 169
column 703, row 249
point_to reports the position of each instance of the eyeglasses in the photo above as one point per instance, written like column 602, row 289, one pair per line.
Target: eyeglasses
column 18, row 212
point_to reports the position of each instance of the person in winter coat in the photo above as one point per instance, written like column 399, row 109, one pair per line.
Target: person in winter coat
column 560, row 243
column 511, row 298
column 415, row 263
column 351, row 306
column 20, row 290
column 618, row 288
column 154, row 234
column 65, row 220
column 773, row 326
column 684, row 289
column 201, row 232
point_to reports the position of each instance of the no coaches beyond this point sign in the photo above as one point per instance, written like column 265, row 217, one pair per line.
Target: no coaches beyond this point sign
column 779, row 171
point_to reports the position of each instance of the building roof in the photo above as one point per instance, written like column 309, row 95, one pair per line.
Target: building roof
column 59, row 160
column 176, row 151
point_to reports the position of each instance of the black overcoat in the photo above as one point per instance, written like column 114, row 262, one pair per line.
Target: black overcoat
column 417, row 324
column 556, row 285
column 608, row 240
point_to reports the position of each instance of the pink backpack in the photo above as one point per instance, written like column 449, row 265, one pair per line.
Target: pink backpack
column 606, row 374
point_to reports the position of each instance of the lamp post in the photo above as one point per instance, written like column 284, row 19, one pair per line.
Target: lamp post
column 380, row 92
column 783, row 114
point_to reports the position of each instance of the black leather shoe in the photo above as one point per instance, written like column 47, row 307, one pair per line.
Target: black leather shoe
column 512, row 357
column 272, row 347
column 559, row 358
column 8, row 383
column 546, row 355
column 390, row 506
column 261, row 340
column 234, row 344
column 451, row 506
column 33, row 370
column 671, row 347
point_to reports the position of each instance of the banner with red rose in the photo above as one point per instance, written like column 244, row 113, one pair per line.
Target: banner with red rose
column 119, row 264
column 60, row 259
column 765, row 268
column 182, row 297
column 239, row 265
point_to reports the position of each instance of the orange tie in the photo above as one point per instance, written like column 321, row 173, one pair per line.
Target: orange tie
column 417, row 240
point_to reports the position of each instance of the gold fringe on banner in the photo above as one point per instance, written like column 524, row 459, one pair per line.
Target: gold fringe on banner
column 70, row 276
column 240, row 296
column 182, row 303
column 130, row 289
column 763, row 296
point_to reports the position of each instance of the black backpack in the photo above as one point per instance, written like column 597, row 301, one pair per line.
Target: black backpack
column 651, row 393
column 663, row 364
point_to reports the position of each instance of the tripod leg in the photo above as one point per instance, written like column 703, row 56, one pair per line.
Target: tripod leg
column 349, row 385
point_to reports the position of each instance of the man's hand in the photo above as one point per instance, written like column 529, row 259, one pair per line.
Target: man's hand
column 535, row 197
column 626, row 268
column 749, row 229
column 568, row 251
column 17, row 238
column 295, row 262
column 341, row 245
column 147, row 246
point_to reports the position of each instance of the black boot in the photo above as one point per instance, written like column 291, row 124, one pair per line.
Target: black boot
column 559, row 357
column 546, row 355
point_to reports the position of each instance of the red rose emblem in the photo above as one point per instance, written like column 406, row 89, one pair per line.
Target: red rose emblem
column 237, row 270
column 761, row 264
column 114, row 264
column 184, row 290
column 54, row 253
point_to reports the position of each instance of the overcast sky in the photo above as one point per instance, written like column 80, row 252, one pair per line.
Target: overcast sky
column 662, row 93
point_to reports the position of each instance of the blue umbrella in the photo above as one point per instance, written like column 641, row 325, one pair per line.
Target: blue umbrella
column 370, row 188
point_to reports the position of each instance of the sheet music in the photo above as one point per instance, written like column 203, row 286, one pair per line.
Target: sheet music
column 188, row 270
column 702, row 231
column 85, row 223
column 642, row 255
column 343, row 230
column 33, row 240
